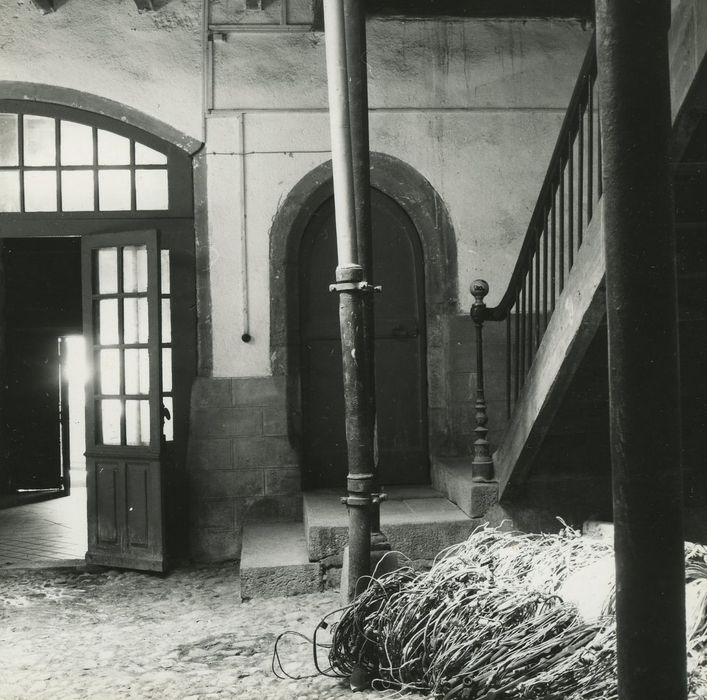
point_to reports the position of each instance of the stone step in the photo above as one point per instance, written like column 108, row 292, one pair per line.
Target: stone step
column 274, row 561
column 418, row 521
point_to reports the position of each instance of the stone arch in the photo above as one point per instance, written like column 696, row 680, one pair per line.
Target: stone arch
column 68, row 97
column 416, row 196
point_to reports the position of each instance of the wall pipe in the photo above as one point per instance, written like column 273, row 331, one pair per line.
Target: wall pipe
column 340, row 129
column 644, row 391
column 352, row 287
column 245, row 300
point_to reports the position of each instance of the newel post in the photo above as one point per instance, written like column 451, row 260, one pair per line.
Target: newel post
column 482, row 465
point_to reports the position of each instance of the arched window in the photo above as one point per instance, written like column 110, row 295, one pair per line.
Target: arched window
column 61, row 160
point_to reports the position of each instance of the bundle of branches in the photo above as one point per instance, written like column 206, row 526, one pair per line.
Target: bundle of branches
column 493, row 618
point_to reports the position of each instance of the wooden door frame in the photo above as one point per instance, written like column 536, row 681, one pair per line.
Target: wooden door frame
column 428, row 213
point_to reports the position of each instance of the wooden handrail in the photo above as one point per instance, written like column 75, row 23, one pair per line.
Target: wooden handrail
column 562, row 213
column 581, row 96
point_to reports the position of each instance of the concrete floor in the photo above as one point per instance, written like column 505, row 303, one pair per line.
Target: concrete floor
column 36, row 533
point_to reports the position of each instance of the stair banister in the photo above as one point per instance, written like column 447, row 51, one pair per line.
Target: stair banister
column 557, row 227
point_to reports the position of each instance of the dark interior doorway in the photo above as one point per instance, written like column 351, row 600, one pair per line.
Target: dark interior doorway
column 401, row 375
column 42, row 305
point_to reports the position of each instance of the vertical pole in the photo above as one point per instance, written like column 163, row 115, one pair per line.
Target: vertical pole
column 351, row 286
column 632, row 49
column 357, row 67
column 482, row 464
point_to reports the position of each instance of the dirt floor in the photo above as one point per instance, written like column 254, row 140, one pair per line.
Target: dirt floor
column 65, row 634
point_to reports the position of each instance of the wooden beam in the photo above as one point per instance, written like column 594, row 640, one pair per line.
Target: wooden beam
column 483, row 8
column 644, row 375
column 580, row 9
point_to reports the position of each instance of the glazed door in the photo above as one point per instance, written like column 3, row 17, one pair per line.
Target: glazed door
column 122, row 326
column 401, row 388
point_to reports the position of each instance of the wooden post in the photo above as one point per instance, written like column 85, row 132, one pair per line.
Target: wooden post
column 641, row 296
column 482, row 465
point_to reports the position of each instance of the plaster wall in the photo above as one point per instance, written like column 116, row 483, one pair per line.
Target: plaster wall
column 474, row 106
column 150, row 62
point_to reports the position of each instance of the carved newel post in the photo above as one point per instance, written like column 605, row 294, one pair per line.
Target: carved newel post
column 482, row 465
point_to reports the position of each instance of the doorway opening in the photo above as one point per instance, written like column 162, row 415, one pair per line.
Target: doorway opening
column 43, row 513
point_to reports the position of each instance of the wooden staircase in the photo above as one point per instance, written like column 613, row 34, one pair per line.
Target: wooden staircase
column 554, row 455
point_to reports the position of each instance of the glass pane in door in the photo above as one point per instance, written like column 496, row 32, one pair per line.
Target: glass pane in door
column 137, row 422
column 121, row 319
column 137, row 371
column 135, row 315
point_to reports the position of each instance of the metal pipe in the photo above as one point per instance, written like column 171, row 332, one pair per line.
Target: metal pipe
column 357, row 69
column 245, row 301
column 205, row 66
column 352, row 288
column 340, row 129
column 643, row 348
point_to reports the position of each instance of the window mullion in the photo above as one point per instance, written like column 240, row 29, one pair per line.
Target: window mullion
column 133, row 195
column 21, row 158
column 94, row 133
column 121, row 341
column 57, row 160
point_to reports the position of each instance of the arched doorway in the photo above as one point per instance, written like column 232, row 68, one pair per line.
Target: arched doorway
column 400, row 347
column 97, row 240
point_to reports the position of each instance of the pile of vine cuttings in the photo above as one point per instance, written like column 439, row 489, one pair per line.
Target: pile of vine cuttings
column 502, row 615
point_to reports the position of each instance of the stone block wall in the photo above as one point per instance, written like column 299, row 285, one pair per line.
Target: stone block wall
column 241, row 464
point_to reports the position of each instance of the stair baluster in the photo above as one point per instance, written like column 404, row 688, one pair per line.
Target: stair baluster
column 562, row 214
column 482, row 465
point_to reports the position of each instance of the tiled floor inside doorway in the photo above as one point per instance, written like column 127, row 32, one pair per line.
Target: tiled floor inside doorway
column 44, row 532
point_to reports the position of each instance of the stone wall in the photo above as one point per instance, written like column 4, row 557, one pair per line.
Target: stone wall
column 241, row 462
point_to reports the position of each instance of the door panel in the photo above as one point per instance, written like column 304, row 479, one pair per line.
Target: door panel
column 122, row 318
column 400, row 346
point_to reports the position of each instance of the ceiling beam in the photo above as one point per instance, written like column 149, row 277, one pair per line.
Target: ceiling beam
column 483, row 8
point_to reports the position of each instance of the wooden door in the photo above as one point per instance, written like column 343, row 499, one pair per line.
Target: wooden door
column 400, row 347
column 122, row 326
